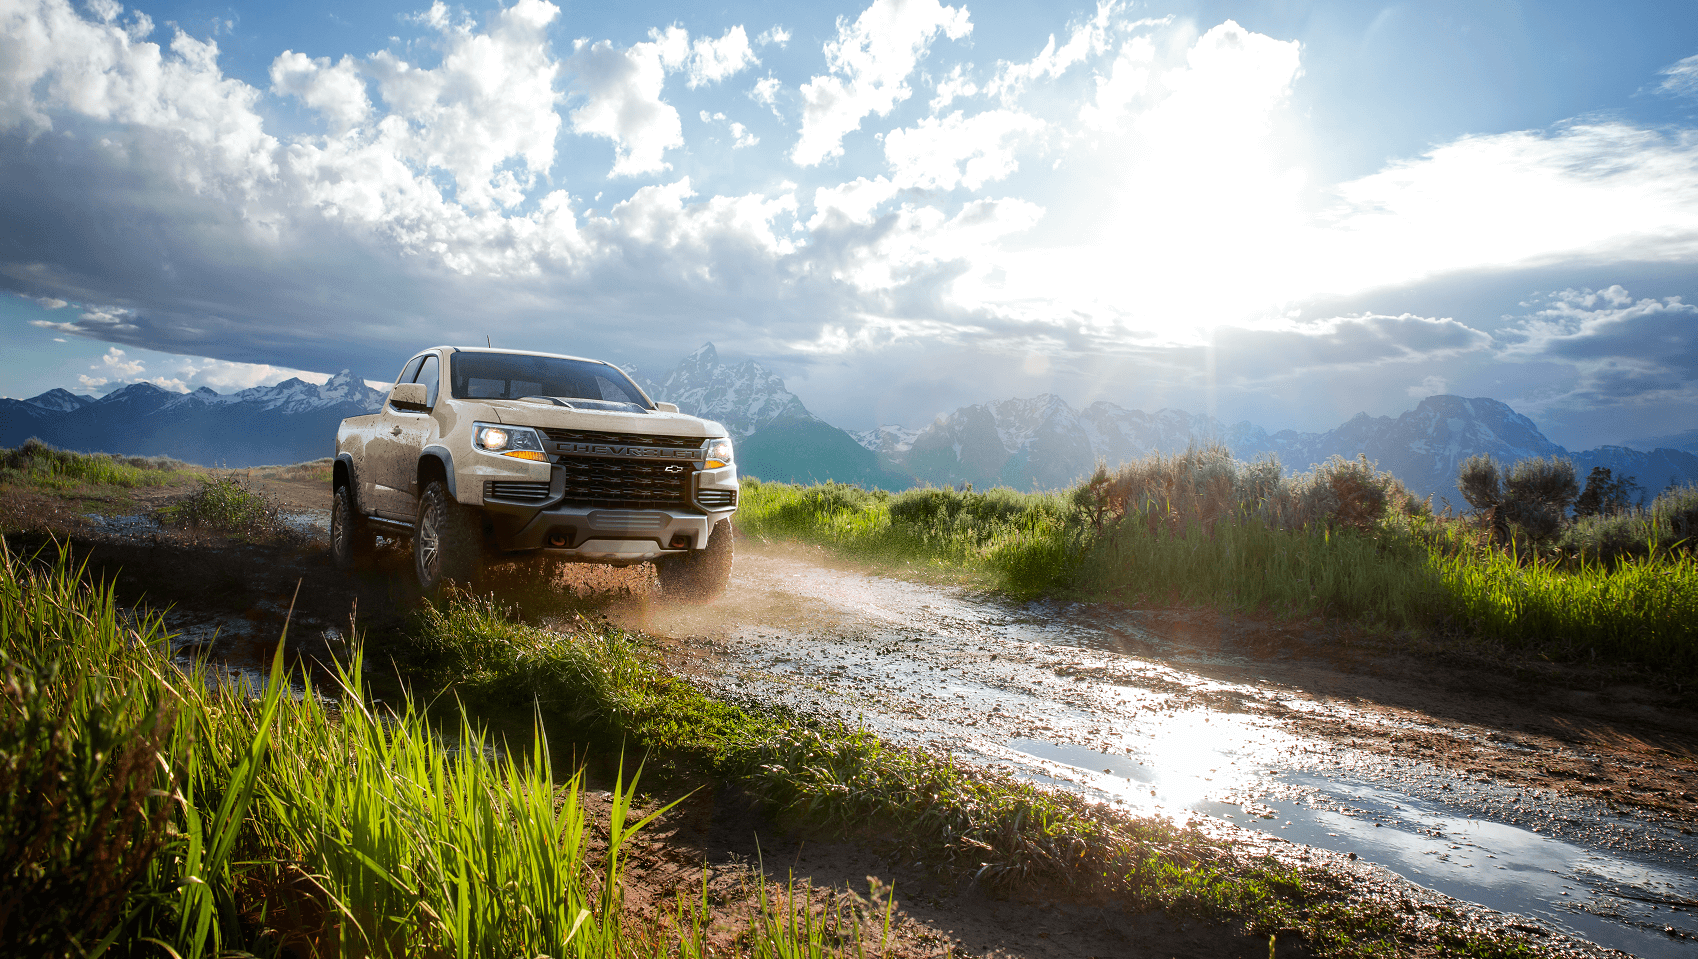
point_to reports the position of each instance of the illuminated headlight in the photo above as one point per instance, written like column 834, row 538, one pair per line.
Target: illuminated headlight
column 718, row 454
column 519, row 442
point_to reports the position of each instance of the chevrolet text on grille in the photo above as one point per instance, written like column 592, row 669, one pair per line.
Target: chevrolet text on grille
column 646, row 452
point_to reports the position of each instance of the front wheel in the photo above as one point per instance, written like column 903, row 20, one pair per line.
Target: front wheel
column 445, row 541
column 699, row 575
column 351, row 537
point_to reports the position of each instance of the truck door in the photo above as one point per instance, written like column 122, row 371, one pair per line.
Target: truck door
column 394, row 452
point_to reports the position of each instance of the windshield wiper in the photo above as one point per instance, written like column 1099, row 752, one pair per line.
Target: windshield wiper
column 557, row 401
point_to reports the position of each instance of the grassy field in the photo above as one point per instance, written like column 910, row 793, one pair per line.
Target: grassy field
column 145, row 805
column 1199, row 530
column 149, row 811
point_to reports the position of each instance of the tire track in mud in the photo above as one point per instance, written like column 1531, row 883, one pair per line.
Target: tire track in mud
column 1526, row 808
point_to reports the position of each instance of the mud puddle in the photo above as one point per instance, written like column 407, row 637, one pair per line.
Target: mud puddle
column 1045, row 693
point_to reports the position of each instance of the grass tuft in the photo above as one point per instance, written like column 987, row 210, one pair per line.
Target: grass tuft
column 39, row 465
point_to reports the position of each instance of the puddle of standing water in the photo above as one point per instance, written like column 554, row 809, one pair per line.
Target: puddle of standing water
column 1575, row 889
column 1048, row 694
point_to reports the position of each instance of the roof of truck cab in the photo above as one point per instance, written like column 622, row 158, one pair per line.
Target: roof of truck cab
column 486, row 349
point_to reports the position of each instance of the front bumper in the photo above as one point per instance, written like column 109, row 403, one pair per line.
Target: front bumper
column 618, row 536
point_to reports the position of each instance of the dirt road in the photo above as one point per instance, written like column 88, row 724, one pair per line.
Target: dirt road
column 1559, row 795
column 1526, row 795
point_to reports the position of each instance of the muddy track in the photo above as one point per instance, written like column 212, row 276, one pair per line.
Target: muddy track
column 1563, row 799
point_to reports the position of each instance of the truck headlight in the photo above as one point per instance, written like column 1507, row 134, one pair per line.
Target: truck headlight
column 519, row 442
column 718, row 453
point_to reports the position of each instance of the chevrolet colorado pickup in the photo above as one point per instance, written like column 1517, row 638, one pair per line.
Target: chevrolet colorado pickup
column 484, row 452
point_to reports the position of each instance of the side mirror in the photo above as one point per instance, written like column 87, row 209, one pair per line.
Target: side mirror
column 666, row 407
column 409, row 396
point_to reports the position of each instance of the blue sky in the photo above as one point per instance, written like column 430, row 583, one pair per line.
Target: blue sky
column 1281, row 212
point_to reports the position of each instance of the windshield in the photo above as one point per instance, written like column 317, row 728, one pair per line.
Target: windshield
column 580, row 383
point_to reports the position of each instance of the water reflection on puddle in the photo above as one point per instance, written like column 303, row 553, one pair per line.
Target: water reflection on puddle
column 1047, row 693
column 1579, row 890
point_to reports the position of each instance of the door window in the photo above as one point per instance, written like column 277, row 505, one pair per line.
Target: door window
column 431, row 376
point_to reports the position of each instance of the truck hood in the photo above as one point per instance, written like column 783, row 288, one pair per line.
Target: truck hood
column 523, row 413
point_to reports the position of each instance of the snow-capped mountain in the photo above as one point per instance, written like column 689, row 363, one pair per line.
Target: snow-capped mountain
column 743, row 398
column 1043, row 442
column 777, row 437
column 889, row 440
column 289, row 422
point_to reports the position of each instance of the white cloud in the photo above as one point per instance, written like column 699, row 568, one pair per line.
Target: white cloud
column 52, row 302
column 1127, row 79
column 854, row 201
column 773, row 35
column 740, row 135
column 1680, row 79
column 1429, row 386
column 337, row 92
column 953, row 85
column 930, row 155
column 765, row 92
column 870, row 61
column 1087, row 39
column 622, row 91
column 1599, row 191
column 105, row 11
column 713, row 60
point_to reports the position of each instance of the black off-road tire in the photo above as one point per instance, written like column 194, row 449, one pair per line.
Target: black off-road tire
column 701, row 574
column 446, row 544
column 351, row 538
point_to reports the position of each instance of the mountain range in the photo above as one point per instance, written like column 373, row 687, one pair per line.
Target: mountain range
column 286, row 423
column 1037, row 442
column 1042, row 442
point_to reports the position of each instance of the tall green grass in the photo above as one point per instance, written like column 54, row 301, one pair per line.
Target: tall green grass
column 1021, row 543
column 47, row 467
column 1344, row 541
column 144, row 810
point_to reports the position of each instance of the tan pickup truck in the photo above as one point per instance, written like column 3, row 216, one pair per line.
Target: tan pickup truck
column 481, row 452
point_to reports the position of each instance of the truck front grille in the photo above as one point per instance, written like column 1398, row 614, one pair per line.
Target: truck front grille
column 716, row 498
column 623, row 439
column 625, row 484
column 517, row 492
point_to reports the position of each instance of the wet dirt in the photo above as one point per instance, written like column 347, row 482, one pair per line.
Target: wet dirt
column 1570, row 806
column 1551, row 798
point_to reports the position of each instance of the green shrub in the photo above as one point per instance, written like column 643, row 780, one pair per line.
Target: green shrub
column 1669, row 526
column 36, row 463
column 225, row 505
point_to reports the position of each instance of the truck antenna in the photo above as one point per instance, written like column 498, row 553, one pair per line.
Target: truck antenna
column 486, row 341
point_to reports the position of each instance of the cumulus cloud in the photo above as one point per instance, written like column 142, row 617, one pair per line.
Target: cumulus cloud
column 774, row 35
column 931, row 154
column 1622, row 346
column 765, row 92
column 337, row 92
column 870, row 61
column 622, row 98
column 713, row 60
column 953, row 85
column 853, row 202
